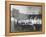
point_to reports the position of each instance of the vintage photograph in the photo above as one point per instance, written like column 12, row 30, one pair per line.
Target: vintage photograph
column 26, row 18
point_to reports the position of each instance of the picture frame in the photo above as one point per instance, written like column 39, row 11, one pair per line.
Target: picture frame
column 8, row 17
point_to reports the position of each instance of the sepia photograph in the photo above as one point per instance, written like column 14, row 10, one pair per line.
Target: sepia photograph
column 26, row 18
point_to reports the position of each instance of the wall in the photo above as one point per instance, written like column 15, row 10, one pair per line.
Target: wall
column 2, row 19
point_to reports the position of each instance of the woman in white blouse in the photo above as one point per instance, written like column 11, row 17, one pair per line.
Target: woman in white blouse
column 37, row 23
